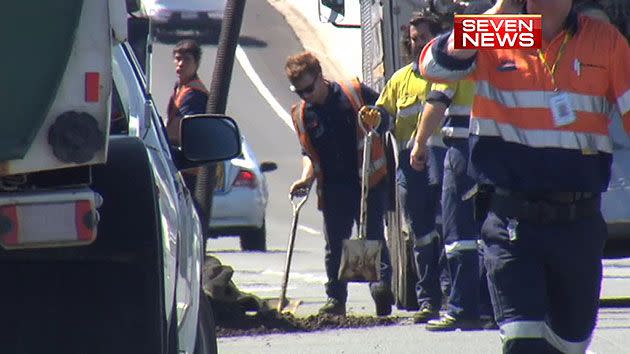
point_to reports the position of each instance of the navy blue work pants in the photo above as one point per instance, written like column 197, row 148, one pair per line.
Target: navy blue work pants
column 420, row 194
column 341, row 212
column 461, row 233
column 545, row 283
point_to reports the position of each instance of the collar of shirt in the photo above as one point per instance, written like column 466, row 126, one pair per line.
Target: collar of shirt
column 571, row 24
column 334, row 90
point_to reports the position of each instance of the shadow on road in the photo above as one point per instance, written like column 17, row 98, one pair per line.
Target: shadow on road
column 210, row 38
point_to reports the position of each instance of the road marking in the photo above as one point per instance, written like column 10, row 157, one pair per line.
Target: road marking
column 313, row 278
column 309, row 230
column 241, row 57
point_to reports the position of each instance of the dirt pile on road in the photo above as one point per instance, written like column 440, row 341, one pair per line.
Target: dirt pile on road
column 237, row 323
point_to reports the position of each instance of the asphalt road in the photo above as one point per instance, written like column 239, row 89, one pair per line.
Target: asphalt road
column 266, row 41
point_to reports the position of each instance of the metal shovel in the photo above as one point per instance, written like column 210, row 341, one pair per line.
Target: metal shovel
column 361, row 258
column 297, row 201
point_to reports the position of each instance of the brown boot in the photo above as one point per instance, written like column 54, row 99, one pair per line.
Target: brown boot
column 333, row 307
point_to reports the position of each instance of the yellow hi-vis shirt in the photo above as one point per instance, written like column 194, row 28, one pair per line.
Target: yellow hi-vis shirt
column 404, row 97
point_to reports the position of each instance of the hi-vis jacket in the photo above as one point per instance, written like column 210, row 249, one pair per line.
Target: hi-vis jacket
column 515, row 142
column 457, row 120
column 404, row 96
column 190, row 98
column 377, row 166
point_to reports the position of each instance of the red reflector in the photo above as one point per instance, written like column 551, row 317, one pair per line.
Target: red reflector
column 9, row 227
column 245, row 179
column 91, row 87
column 84, row 220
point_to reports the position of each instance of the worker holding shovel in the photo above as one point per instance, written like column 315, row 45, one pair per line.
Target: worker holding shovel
column 332, row 141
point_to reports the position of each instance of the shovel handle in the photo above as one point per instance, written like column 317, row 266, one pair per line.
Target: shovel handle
column 299, row 198
column 297, row 201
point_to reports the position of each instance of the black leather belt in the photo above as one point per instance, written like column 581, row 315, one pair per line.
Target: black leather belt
column 554, row 208
column 552, row 197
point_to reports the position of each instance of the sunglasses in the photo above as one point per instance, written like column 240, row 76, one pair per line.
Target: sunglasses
column 307, row 90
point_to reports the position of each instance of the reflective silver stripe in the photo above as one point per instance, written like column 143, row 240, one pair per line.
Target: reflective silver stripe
column 540, row 99
column 356, row 96
column 448, row 92
column 563, row 345
column 434, row 70
column 458, row 110
column 411, row 111
column 541, row 138
column 300, row 118
column 623, row 102
column 426, row 239
column 521, row 329
column 458, row 246
column 405, row 144
column 455, row 132
column 435, row 140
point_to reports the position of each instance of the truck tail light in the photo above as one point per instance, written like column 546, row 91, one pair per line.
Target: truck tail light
column 92, row 87
column 85, row 220
column 9, row 226
column 245, row 179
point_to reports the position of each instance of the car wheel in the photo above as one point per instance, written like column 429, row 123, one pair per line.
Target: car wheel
column 254, row 240
column 206, row 341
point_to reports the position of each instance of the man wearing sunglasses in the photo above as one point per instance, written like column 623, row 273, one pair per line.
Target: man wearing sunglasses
column 332, row 144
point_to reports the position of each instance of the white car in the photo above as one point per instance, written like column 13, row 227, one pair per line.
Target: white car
column 240, row 200
column 184, row 14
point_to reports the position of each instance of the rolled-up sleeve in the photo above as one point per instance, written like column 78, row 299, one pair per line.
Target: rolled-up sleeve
column 436, row 65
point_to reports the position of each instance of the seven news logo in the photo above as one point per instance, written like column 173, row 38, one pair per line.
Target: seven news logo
column 498, row 31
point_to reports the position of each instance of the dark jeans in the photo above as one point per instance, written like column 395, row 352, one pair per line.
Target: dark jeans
column 545, row 284
column 341, row 212
column 420, row 194
column 461, row 233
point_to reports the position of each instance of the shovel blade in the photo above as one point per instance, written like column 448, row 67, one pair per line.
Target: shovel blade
column 288, row 305
column 360, row 261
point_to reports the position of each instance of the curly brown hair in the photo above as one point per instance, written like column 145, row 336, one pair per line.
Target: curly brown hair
column 418, row 18
column 302, row 64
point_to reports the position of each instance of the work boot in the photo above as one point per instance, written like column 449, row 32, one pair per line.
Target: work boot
column 449, row 323
column 333, row 307
column 426, row 313
column 383, row 300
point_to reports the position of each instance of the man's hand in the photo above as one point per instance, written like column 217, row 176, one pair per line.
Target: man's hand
column 370, row 117
column 507, row 7
column 418, row 156
column 299, row 186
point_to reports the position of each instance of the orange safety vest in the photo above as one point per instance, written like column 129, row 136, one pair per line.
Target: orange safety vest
column 516, row 108
column 377, row 168
column 174, row 117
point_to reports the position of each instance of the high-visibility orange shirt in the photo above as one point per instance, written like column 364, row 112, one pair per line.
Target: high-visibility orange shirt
column 515, row 142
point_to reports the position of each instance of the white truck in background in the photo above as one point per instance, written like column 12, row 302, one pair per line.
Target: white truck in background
column 101, row 246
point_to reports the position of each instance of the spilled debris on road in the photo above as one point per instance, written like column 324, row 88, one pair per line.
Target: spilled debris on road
column 238, row 323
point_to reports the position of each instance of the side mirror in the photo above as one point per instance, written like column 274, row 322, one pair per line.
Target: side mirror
column 336, row 6
column 333, row 12
column 209, row 137
column 268, row 166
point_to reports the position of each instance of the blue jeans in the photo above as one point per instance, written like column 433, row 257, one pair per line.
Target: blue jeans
column 420, row 194
column 341, row 212
column 546, row 282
